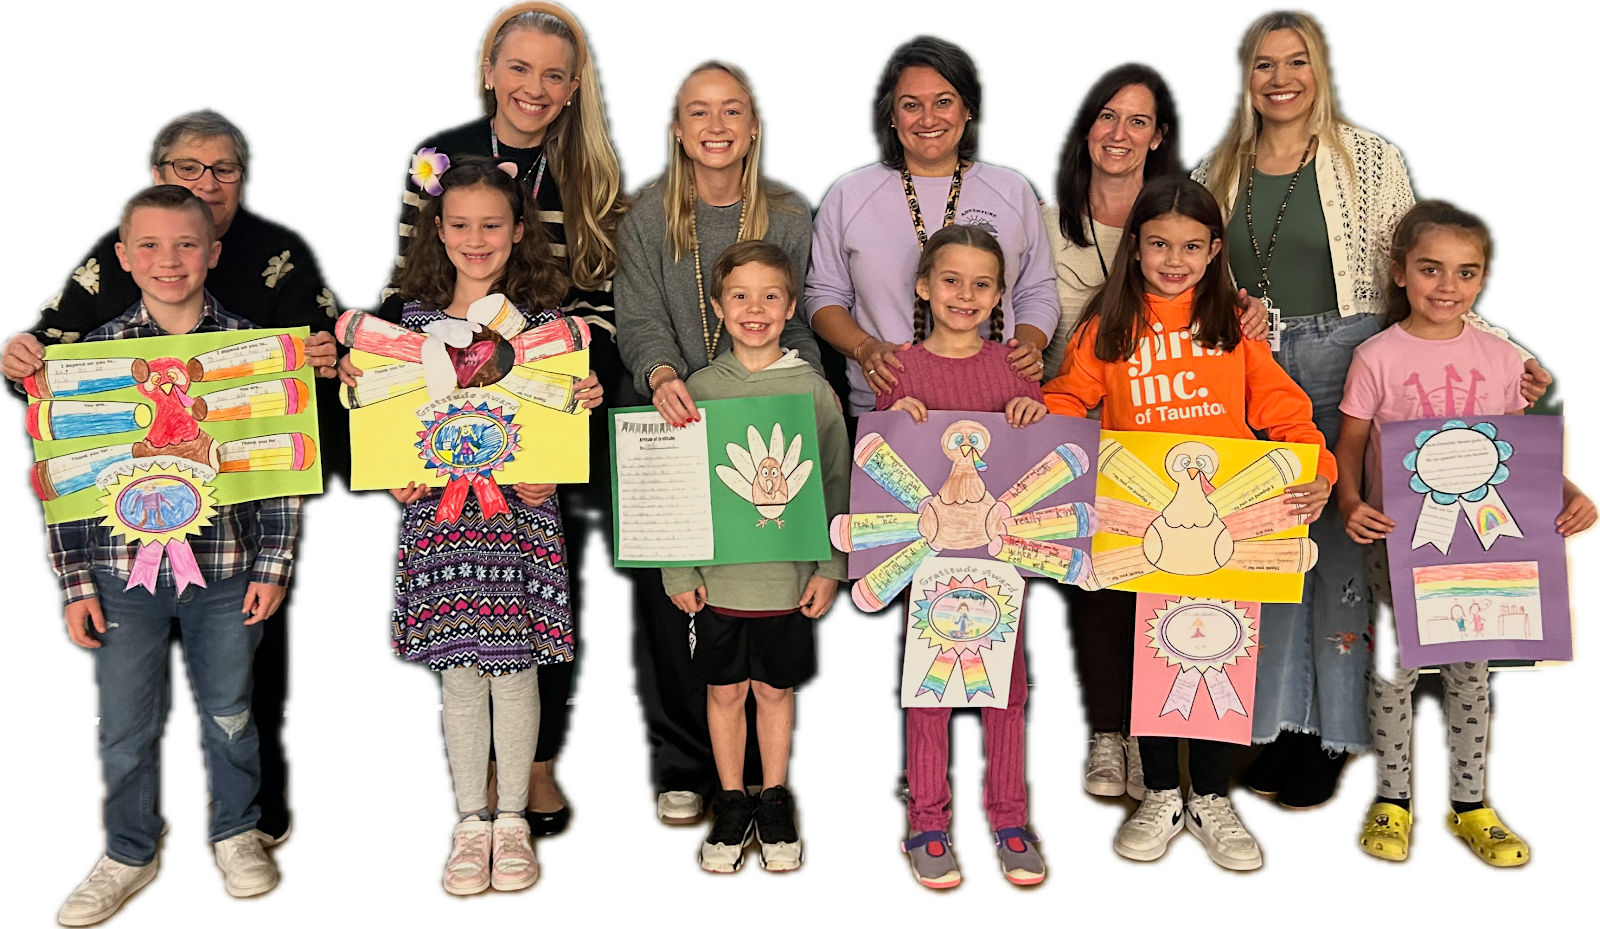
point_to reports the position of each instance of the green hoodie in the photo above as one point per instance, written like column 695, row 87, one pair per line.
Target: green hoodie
column 773, row 585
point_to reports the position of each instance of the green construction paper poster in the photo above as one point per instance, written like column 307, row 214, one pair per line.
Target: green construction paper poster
column 237, row 406
column 742, row 486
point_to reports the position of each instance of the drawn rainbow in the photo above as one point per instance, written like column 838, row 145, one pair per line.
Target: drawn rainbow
column 1507, row 579
column 1488, row 517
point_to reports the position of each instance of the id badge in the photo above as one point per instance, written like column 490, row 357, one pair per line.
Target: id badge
column 1274, row 327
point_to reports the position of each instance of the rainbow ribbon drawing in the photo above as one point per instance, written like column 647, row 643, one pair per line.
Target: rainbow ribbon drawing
column 1456, row 468
column 962, row 616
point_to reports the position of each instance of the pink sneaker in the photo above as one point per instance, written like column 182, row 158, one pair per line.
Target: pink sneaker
column 515, row 868
column 467, row 871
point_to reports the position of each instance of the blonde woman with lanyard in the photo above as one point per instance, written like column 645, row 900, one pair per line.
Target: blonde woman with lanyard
column 544, row 114
column 1314, row 202
column 711, row 196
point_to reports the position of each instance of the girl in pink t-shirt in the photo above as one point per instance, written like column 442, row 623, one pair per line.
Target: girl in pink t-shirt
column 1428, row 363
column 952, row 366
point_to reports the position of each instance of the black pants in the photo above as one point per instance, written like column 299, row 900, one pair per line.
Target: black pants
column 1210, row 764
column 1101, row 626
column 267, row 700
column 556, row 681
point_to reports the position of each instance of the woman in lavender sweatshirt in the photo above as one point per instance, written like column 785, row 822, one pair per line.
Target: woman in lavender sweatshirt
column 871, row 227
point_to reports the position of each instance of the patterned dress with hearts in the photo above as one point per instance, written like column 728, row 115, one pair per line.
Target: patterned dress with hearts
column 486, row 593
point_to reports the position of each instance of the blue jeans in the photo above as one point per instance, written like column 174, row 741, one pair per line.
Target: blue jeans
column 131, row 670
column 1312, row 668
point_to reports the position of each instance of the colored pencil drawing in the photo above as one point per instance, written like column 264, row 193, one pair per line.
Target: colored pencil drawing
column 1186, row 647
column 767, row 475
column 1467, row 602
column 1456, row 469
column 963, row 624
column 963, row 514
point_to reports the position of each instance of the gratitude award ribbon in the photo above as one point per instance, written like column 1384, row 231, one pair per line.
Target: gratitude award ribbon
column 158, row 502
column 469, row 436
column 963, row 610
column 1202, row 637
column 1456, row 469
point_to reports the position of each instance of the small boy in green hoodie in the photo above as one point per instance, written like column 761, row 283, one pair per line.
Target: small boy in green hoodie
column 753, row 624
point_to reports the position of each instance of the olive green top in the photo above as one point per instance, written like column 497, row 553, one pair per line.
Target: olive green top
column 1301, row 271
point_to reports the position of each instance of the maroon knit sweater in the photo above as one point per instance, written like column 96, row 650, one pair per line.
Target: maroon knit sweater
column 983, row 383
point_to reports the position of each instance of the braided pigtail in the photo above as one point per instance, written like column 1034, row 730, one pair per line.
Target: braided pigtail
column 919, row 321
column 997, row 322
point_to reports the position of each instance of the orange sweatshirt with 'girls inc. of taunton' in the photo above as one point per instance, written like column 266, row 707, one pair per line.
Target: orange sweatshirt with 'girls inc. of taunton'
column 1173, row 384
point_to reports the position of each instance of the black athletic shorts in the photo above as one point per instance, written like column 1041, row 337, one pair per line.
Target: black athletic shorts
column 779, row 651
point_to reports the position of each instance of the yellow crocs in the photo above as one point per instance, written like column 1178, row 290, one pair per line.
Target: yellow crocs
column 1489, row 838
column 1387, row 834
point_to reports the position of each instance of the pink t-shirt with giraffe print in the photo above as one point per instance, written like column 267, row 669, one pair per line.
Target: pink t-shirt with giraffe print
column 1395, row 376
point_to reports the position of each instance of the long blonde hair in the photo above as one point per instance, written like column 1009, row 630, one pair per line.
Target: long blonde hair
column 677, row 189
column 582, row 160
column 1239, row 144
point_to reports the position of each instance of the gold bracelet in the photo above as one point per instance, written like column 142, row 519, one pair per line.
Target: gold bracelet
column 856, row 353
column 650, row 379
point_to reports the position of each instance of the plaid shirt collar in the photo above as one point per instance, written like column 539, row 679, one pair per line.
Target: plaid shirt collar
column 137, row 323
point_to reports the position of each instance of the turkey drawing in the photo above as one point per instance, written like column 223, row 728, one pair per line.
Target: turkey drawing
column 767, row 474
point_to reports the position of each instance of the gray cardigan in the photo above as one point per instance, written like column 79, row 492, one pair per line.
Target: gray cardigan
column 658, row 307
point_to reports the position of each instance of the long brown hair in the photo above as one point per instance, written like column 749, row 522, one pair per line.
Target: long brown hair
column 973, row 237
column 532, row 277
column 1119, row 305
column 1426, row 215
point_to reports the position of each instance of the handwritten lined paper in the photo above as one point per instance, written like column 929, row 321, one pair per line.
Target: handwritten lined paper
column 663, row 490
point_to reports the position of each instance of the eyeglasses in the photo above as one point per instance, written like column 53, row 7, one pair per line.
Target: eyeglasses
column 226, row 172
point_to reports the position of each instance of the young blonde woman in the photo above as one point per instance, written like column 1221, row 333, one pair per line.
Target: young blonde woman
column 544, row 114
column 711, row 195
column 1313, row 202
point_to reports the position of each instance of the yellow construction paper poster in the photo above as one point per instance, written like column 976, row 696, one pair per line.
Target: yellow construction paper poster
column 1201, row 516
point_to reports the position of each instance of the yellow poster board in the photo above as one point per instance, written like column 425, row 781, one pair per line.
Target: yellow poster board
column 1201, row 516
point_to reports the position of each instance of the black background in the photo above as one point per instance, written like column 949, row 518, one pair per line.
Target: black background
column 336, row 103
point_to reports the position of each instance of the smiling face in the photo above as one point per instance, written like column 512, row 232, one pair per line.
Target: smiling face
column 168, row 252
column 754, row 304
column 1443, row 274
column 532, row 80
column 1124, row 133
column 478, row 230
column 962, row 288
column 223, row 199
column 715, row 120
column 1283, row 86
column 1174, row 251
column 929, row 119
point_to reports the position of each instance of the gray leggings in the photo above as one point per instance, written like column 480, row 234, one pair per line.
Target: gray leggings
column 1466, row 710
column 466, row 734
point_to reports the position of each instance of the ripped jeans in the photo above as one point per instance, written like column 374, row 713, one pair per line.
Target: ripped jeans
column 131, row 670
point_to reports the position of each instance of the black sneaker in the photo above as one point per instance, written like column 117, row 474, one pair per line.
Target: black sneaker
column 780, row 841
column 1313, row 780
column 733, row 823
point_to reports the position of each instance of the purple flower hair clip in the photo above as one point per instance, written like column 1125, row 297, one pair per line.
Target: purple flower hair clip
column 426, row 167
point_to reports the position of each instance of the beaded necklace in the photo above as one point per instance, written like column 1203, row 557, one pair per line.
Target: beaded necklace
column 711, row 337
column 1249, row 220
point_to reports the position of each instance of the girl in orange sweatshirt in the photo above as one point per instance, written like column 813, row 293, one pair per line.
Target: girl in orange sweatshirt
column 1160, row 347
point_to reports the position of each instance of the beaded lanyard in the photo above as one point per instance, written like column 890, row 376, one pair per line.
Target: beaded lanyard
column 916, row 209
column 538, row 177
column 1249, row 220
column 699, row 283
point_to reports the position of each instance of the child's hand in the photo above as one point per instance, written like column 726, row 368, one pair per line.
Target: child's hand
column 590, row 393
column 1535, row 380
column 261, row 601
column 818, row 596
column 322, row 353
column 1577, row 510
column 1365, row 524
column 23, row 356
column 691, row 601
column 1025, row 411
column 534, row 494
column 410, row 493
column 1253, row 317
column 917, row 409
column 76, row 613
column 1309, row 499
column 1025, row 359
column 348, row 372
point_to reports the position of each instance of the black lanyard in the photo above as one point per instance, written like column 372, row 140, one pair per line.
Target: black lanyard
column 1249, row 220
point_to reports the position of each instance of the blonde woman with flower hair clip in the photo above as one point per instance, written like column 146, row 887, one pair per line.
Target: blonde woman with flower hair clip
column 544, row 114
column 711, row 195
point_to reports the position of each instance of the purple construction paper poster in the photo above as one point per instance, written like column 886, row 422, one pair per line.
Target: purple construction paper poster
column 1477, row 569
column 967, row 485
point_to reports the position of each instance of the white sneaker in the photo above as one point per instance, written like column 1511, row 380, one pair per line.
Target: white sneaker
column 679, row 807
column 103, row 891
column 1229, row 844
column 515, row 868
column 246, row 869
column 1104, row 774
column 1145, row 835
column 1135, row 785
column 467, row 870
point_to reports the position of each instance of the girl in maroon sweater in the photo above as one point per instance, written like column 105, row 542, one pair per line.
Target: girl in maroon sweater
column 960, row 281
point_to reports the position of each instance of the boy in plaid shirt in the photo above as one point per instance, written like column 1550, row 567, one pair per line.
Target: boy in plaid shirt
column 245, row 555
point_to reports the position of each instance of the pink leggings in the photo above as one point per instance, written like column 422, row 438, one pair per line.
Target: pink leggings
column 1005, row 794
